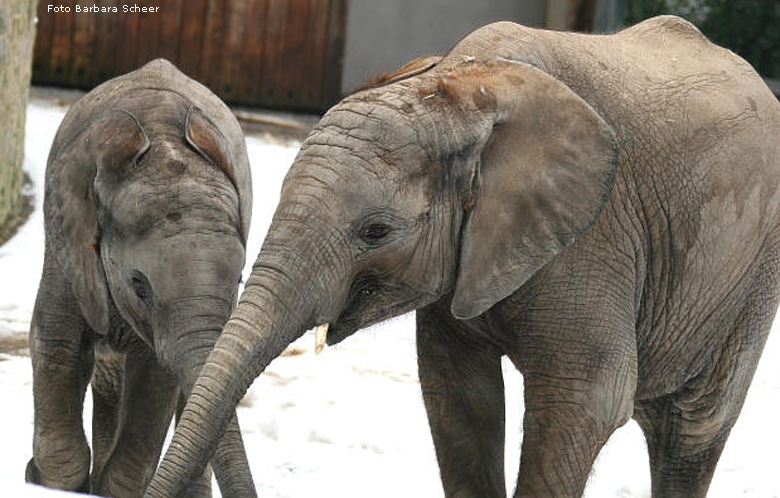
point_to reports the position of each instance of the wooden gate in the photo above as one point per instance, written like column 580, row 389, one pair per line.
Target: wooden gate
column 270, row 53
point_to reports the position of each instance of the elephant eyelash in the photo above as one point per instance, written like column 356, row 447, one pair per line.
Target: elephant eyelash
column 375, row 232
column 141, row 286
column 378, row 227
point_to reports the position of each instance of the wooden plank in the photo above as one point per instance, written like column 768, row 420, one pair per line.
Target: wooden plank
column 226, row 82
column 193, row 18
column 126, row 48
column 250, row 78
column 170, row 27
column 287, row 81
column 310, row 50
column 80, row 68
column 61, row 45
column 334, row 54
column 42, row 48
column 148, row 45
column 106, row 41
column 273, row 57
column 213, row 38
column 293, row 83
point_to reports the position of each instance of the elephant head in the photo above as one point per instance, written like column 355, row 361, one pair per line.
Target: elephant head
column 147, row 213
column 457, row 181
column 147, row 226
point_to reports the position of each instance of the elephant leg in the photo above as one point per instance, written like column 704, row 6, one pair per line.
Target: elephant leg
column 147, row 405
column 579, row 366
column 463, row 390
column 62, row 358
column 148, row 401
column 107, row 383
column 686, row 431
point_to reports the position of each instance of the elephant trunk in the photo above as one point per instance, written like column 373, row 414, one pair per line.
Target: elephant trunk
column 198, row 330
column 275, row 309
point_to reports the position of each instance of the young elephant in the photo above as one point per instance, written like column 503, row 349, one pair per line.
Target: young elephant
column 605, row 210
column 147, row 207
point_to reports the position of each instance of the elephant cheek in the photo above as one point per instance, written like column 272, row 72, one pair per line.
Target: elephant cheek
column 431, row 266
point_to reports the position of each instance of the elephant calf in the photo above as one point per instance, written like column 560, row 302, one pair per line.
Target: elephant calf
column 147, row 207
column 602, row 209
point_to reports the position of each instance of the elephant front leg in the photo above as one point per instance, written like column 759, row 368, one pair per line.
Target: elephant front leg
column 463, row 390
column 576, row 395
column 61, row 353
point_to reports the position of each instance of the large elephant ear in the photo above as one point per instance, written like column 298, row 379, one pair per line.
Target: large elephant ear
column 205, row 137
column 540, row 180
column 112, row 141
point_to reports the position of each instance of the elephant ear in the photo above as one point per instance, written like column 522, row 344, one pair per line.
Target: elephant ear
column 408, row 70
column 112, row 141
column 205, row 137
column 539, row 179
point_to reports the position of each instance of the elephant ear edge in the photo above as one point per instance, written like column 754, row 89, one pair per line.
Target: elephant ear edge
column 541, row 180
column 112, row 139
column 410, row 69
column 207, row 140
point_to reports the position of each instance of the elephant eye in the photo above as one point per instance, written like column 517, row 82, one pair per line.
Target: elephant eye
column 140, row 285
column 375, row 232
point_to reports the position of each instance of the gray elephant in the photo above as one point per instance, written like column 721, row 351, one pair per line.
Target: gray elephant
column 147, row 207
column 602, row 209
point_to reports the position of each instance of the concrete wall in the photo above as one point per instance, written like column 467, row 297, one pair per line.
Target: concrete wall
column 17, row 32
column 382, row 35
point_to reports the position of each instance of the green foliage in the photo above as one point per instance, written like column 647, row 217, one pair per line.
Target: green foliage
column 748, row 27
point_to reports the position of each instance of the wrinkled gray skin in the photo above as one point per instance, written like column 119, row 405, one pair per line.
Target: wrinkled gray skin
column 147, row 206
column 601, row 209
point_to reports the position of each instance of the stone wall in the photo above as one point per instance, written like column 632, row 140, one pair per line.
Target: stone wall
column 17, row 33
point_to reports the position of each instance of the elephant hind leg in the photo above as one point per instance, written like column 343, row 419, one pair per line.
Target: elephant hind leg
column 148, row 400
column 140, row 418
column 107, row 382
column 683, row 452
column 687, row 431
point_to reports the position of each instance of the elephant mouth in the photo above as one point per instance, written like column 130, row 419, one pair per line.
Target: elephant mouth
column 371, row 301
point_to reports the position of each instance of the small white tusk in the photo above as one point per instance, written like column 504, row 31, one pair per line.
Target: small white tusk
column 320, row 335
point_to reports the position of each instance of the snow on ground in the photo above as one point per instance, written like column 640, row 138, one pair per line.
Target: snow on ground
column 349, row 422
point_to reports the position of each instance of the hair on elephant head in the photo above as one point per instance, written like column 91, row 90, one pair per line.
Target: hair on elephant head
column 545, row 196
column 147, row 208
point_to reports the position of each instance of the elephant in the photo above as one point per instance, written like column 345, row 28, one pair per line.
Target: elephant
column 147, row 207
column 603, row 210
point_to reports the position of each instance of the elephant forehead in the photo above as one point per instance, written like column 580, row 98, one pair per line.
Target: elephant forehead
column 380, row 126
column 353, row 198
column 336, row 155
column 194, row 200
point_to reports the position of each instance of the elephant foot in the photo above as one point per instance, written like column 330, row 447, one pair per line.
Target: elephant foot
column 33, row 475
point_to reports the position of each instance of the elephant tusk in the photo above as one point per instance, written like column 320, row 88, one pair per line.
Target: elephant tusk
column 320, row 335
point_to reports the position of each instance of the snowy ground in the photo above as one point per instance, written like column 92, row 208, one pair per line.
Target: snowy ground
column 349, row 422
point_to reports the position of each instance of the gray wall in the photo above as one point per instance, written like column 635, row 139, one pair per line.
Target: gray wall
column 382, row 35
